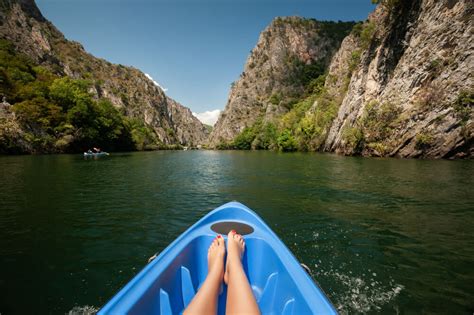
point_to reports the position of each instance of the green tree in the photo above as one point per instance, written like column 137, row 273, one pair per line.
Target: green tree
column 266, row 139
column 244, row 140
column 286, row 141
column 39, row 113
column 69, row 92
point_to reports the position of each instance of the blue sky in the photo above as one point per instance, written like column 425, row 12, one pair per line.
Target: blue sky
column 193, row 48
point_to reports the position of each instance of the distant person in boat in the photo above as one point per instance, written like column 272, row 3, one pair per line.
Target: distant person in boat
column 96, row 150
column 240, row 298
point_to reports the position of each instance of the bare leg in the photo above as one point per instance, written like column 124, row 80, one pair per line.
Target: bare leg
column 205, row 300
column 240, row 299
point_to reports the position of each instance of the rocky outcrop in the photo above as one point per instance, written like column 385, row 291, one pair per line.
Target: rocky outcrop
column 127, row 88
column 410, row 94
column 401, row 84
column 188, row 130
column 289, row 53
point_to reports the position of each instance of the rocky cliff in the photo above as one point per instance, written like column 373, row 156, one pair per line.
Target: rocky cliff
column 400, row 84
column 411, row 82
column 127, row 88
column 290, row 53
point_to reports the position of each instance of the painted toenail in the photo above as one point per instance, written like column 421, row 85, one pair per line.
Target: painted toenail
column 233, row 231
column 218, row 236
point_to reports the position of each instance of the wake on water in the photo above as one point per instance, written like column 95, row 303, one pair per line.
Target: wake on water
column 83, row 310
column 356, row 293
column 361, row 296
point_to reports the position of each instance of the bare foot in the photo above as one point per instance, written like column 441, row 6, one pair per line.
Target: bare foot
column 235, row 250
column 215, row 258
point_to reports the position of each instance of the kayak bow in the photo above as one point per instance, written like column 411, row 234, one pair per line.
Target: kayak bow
column 169, row 282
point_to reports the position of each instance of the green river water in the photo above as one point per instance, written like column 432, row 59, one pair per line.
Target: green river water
column 380, row 235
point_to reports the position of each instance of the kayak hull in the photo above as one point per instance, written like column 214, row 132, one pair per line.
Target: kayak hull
column 169, row 282
column 86, row 154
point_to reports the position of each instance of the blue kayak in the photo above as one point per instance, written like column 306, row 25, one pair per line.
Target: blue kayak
column 168, row 283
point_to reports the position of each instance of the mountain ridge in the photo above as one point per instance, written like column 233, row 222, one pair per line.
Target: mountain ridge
column 289, row 53
column 127, row 88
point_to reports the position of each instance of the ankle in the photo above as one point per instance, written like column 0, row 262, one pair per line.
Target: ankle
column 234, row 258
column 215, row 275
column 234, row 263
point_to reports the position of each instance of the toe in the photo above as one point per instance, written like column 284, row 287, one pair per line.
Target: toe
column 220, row 240
column 213, row 244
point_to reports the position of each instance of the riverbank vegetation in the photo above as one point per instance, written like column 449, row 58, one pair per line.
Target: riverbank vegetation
column 302, row 128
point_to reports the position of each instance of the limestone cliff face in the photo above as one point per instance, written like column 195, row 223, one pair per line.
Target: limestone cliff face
column 411, row 86
column 188, row 129
column 289, row 52
column 126, row 87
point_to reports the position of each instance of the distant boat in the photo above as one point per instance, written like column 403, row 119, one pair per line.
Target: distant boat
column 169, row 282
column 95, row 154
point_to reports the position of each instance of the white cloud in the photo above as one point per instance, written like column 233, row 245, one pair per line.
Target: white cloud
column 208, row 117
column 155, row 83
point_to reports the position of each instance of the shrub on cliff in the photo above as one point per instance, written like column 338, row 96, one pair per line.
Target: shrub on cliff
column 373, row 129
column 316, row 86
column 354, row 138
column 286, row 141
column 275, row 98
column 463, row 106
column 244, row 140
column 379, row 121
column 423, row 141
column 266, row 138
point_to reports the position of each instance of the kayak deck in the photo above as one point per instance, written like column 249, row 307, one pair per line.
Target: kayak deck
column 168, row 284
